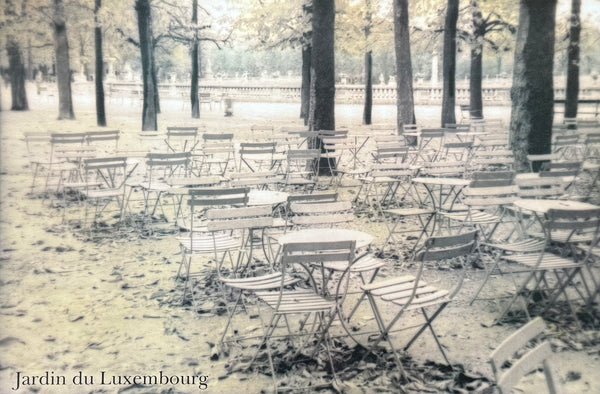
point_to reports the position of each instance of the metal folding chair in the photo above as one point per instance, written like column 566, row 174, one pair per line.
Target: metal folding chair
column 298, row 306
column 551, row 272
column 516, row 357
column 410, row 293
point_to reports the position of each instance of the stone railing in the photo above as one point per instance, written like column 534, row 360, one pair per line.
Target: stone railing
column 350, row 94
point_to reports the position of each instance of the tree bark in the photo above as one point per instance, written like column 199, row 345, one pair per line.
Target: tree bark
column 195, row 104
column 149, row 111
column 449, row 64
column 532, row 93
column 476, row 75
column 572, row 93
column 323, row 65
column 16, row 70
column 63, row 63
column 305, row 89
column 368, row 105
column 99, row 67
column 368, row 108
column 404, row 79
column 475, row 96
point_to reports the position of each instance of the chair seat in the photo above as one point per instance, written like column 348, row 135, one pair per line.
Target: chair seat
column 264, row 282
column 522, row 246
column 206, row 243
column 479, row 217
column 155, row 186
column 366, row 263
column 399, row 291
column 549, row 261
column 296, row 301
column 409, row 211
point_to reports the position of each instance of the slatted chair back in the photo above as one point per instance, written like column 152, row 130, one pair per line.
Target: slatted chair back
column 491, row 178
column 254, row 154
column 111, row 172
column 395, row 152
column 218, row 149
column 446, row 247
column 260, row 180
column 216, row 196
column 456, row 150
column 513, row 358
column 543, row 187
column 107, row 140
column 317, row 253
column 160, row 166
column 320, row 196
column 302, row 163
column 490, row 196
column 392, row 170
column 442, row 169
column 560, row 169
column 182, row 138
column 499, row 159
column 70, row 147
column 321, row 214
column 573, row 226
column 227, row 219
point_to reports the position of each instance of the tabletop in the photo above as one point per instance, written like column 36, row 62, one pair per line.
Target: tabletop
column 266, row 197
column 326, row 234
column 543, row 206
column 442, row 181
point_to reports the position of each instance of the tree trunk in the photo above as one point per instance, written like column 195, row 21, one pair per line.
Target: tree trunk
column 476, row 75
column 322, row 105
column 323, row 65
column 475, row 96
column 368, row 88
column 16, row 70
column 532, row 93
column 368, row 106
column 149, row 110
column 155, row 80
column 449, row 64
column 99, row 68
column 572, row 94
column 63, row 63
column 195, row 104
column 404, row 79
column 305, row 89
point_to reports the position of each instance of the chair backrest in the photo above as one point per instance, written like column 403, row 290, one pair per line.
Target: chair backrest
column 443, row 169
column 321, row 196
column 256, row 179
column 187, row 136
column 573, row 225
column 491, row 178
column 302, row 160
column 217, row 196
column 167, row 164
column 490, row 196
column 317, row 252
column 239, row 218
column 105, row 137
column 257, row 148
column 447, row 246
column 560, row 169
column 391, row 152
column 392, row 170
column 111, row 172
column 521, row 360
column 321, row 214
column 544, row 187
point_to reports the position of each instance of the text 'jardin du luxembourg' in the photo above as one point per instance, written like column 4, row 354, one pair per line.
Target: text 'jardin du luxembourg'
column 103, row 378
